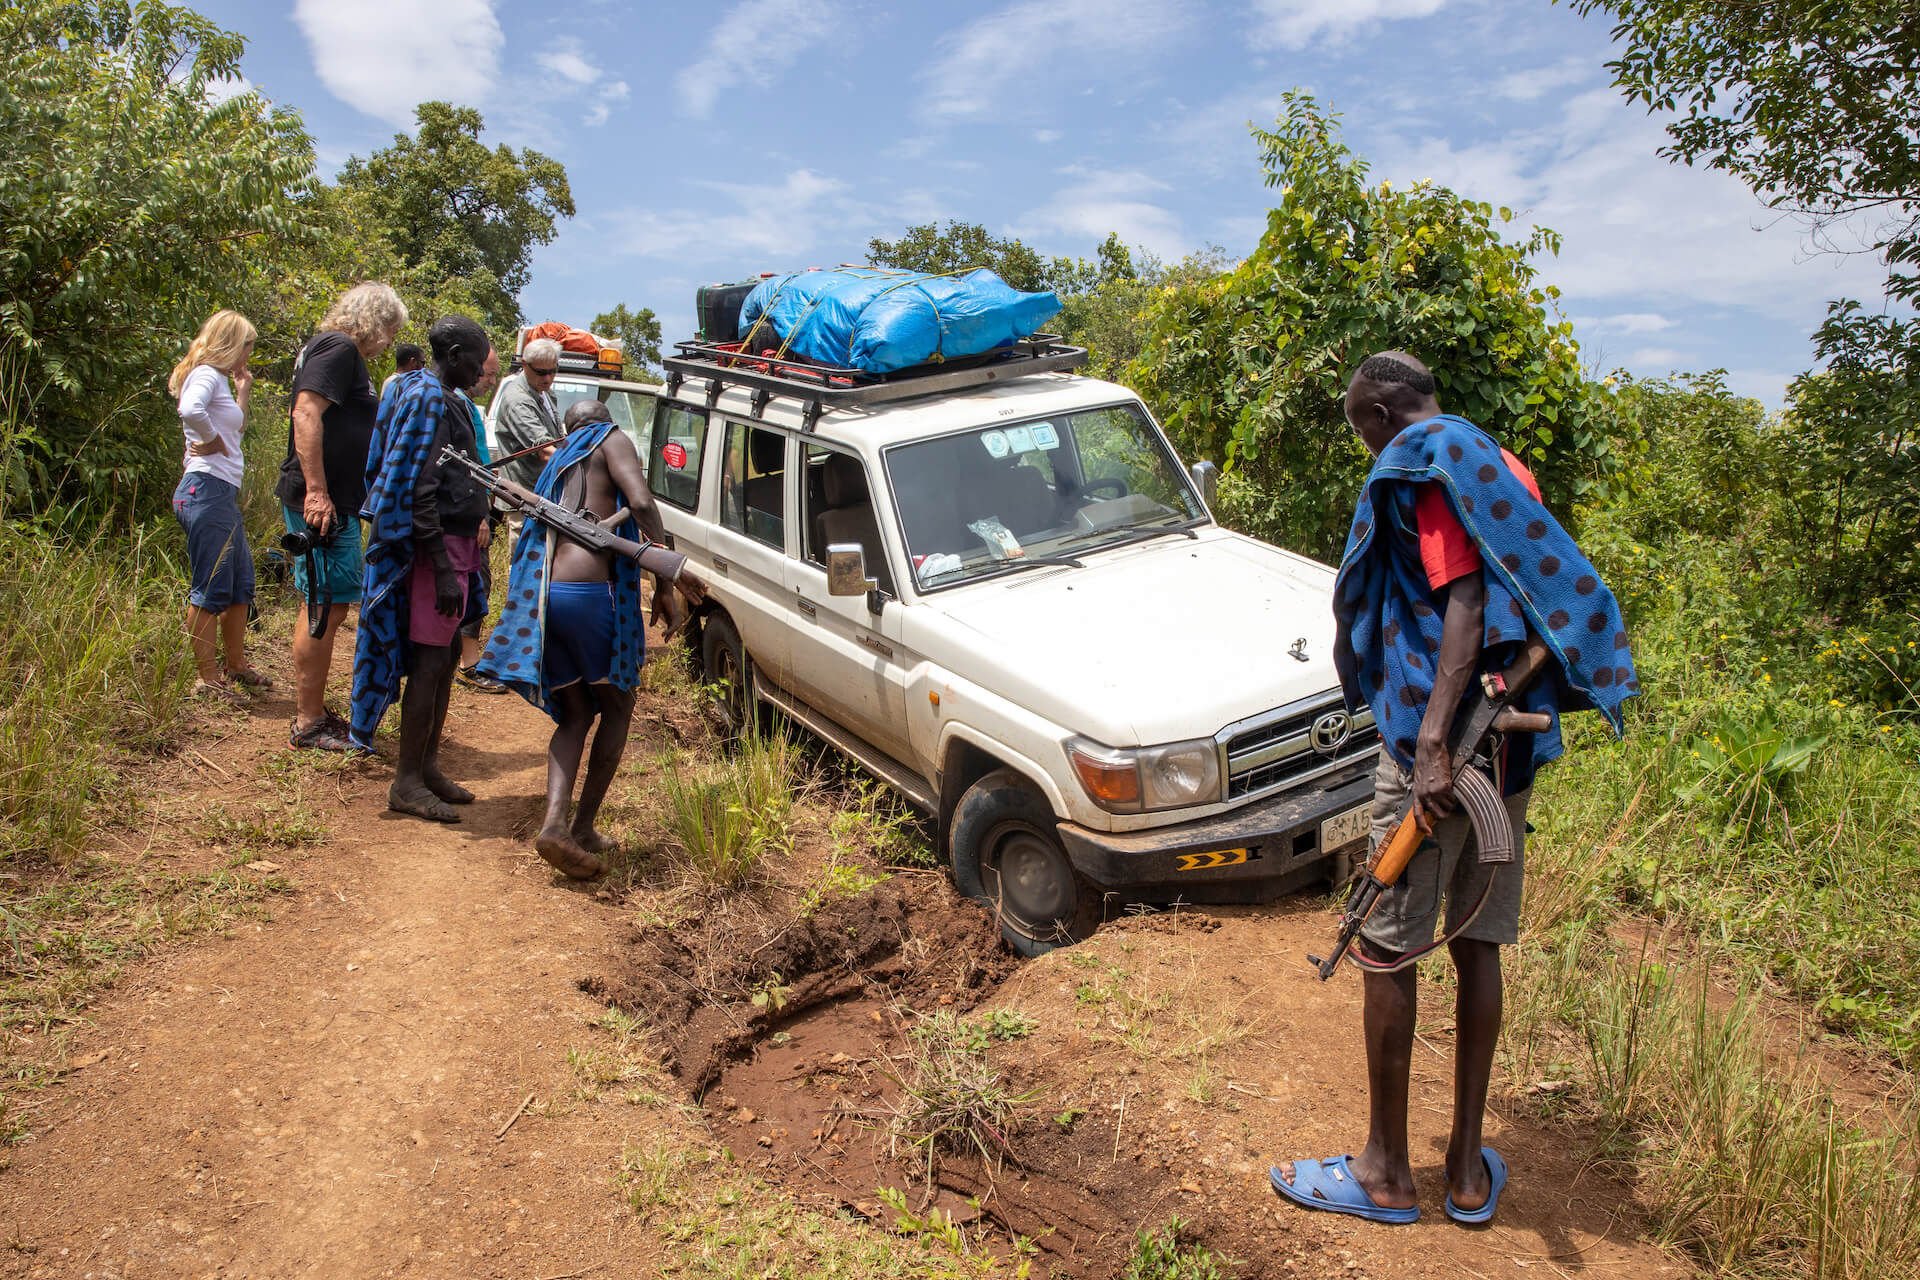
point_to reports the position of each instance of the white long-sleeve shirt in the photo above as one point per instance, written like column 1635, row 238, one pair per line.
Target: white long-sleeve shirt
column 208, row 412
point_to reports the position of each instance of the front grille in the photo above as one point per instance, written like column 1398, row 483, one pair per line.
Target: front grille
column 1273, row 752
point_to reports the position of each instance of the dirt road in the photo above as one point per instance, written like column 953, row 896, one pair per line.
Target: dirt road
column 384, row 1079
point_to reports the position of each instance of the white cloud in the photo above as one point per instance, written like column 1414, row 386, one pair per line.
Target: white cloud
column 1099, row 201
column 736, row 55
column 219, row 91
column 1526, row 86
column 769, row 222
column 1634, row 322
column 1636, row 227
column 564, row 59
column 1294, row 24
column 386, row 56
column 1045, row 136
column 1669, row 357
column 981, row 66
column 603, row 105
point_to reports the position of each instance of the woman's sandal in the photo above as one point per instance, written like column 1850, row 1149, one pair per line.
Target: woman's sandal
column 248, row 678
column 219, row 693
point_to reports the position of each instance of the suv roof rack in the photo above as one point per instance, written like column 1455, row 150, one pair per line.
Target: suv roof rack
column 821, row 387
column 578, row 362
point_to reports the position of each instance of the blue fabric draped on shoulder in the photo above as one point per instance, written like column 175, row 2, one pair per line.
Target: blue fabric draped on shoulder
column 402, row 435
column 1389, row 626
column 516, row 652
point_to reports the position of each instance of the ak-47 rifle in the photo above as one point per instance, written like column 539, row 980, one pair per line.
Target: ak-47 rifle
column 1476, row 736
column 575, row 526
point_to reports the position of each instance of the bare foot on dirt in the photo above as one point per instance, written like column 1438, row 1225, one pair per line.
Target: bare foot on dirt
column 447, row 789
column 560, row 849
column 420, row 802
column 595, row 842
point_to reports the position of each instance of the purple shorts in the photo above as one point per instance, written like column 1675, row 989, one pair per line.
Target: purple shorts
column 427, row 625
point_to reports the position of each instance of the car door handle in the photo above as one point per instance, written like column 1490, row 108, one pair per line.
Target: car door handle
column 719, row 565
column 807, row 607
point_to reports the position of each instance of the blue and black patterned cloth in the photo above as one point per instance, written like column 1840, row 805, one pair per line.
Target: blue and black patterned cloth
column 402, row 437
column 516, row 652
column 1389, row 625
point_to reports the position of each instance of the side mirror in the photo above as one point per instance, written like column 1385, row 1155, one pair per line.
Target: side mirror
column 847, row 570
column 1206, row 478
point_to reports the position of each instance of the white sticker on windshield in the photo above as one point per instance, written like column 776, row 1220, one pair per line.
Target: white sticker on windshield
column 996, row 442
column 1044, row 436
column 1020, row 439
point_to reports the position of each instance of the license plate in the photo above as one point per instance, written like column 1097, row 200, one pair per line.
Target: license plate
column 1345, row 828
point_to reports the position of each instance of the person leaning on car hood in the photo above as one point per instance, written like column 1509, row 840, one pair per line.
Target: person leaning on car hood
column 528, row 414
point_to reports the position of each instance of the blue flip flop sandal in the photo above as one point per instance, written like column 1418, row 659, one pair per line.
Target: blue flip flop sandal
column 1497, row 1171
column 1330, row 1185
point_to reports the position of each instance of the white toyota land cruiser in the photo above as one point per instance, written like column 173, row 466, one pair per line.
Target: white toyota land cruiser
column 991, row 583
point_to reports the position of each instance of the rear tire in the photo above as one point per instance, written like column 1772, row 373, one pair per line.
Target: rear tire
column 1007, row 855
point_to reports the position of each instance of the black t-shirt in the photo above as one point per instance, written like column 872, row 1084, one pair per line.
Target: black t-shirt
column 330, row 365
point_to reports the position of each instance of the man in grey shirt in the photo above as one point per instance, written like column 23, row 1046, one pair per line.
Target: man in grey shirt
column 527, row 414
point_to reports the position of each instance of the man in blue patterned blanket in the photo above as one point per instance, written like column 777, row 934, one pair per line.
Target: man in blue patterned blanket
column 571, row 636
column 1451, row 563
column 423, row 545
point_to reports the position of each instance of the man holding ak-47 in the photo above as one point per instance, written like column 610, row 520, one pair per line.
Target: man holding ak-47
column 571, row 637
column 1462, row 609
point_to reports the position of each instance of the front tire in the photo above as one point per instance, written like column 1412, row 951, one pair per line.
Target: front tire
column 1007, row 855
column 723, row 666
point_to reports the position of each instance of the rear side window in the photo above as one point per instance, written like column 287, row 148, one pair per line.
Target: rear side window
column 673, row 458
column 753, row 484
column 633, row 414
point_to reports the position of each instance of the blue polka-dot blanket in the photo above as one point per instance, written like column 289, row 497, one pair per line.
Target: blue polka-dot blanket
column 517, row 649
column 1389, row 627
column 402, row 436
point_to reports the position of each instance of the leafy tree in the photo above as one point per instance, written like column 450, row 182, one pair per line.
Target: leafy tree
column 1110, row 312
column 962, row 245
column 1815, row 104
column 639, row 330
column 1250, row 367
column 453, row 209
column 130, row 207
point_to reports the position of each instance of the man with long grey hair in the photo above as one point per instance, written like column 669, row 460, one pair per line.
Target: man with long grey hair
column 323, row 481
column 527, row 414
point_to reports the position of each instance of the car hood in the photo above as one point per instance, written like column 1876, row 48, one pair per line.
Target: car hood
column 1167, row 640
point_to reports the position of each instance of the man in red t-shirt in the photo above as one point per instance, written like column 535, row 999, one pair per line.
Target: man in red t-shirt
column 1388, row 394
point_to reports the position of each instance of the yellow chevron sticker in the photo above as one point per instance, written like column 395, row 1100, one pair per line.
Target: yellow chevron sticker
column 1208, row 861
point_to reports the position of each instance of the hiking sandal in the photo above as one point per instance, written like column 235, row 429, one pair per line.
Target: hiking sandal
column 249, row 679
column 324, row 736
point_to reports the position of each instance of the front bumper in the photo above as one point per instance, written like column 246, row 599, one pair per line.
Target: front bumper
column 1202, row 860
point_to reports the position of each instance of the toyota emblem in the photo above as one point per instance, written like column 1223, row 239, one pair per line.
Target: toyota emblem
column 1331, row 731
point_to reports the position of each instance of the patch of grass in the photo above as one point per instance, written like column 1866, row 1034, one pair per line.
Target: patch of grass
column 95, row 661
column 726, row 813
column 837, row 880
column 1163, row 1255
column 951, row 1098
column 875, row 822
column 287, row 826
column 650, row 1176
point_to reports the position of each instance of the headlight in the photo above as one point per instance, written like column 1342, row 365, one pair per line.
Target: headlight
column 1142, row 779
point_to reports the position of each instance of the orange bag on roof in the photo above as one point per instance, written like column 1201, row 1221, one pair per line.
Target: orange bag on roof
column 570, row 339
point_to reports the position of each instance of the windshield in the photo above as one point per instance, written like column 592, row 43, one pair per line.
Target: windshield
column 978, row 502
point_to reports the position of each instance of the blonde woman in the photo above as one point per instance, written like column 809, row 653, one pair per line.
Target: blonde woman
column 323, row 481
column 212, row 383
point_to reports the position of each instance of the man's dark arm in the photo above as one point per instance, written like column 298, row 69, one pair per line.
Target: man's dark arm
column 623, row 465
column 1460, row 641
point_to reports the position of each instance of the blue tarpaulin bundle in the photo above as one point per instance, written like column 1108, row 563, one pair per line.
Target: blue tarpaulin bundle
column 879, row 321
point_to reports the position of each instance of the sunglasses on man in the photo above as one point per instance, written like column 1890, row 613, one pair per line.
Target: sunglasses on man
column 548, row 372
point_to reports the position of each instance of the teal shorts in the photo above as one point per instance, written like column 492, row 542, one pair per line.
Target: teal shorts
column 339, row 561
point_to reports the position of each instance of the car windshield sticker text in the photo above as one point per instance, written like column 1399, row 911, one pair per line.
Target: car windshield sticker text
column 675, row 454
column 1044, row 436
column 1020, row 439
column 996, row 442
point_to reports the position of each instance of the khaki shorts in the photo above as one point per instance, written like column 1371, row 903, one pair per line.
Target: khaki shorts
column 1446, row 868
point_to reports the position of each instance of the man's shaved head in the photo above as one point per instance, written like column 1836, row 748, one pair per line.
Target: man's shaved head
column 581, row 412
column 1388, row 392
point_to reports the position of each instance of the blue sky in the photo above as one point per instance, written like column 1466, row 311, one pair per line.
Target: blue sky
column 708, row 142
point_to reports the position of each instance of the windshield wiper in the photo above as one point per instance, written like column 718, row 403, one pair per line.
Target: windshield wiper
column 1147, row 535
column 1015, row 565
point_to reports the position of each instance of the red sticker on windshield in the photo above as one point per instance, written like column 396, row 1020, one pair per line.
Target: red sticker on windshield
column 675, row 454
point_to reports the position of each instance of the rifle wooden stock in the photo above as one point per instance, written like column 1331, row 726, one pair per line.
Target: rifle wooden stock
column 1493, row 713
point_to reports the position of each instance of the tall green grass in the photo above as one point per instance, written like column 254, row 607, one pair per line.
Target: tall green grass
column 95, row 662
column 728, row 811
